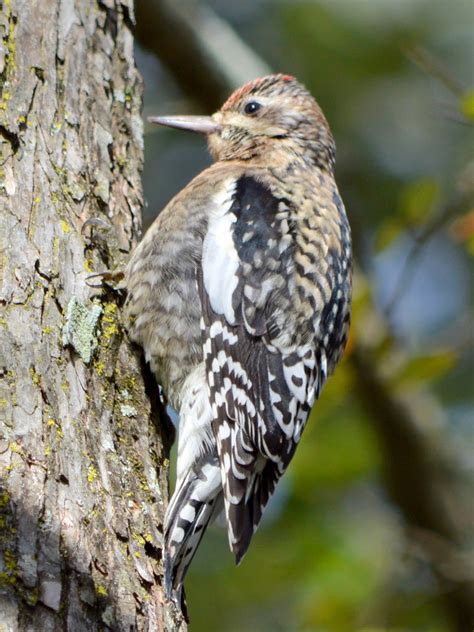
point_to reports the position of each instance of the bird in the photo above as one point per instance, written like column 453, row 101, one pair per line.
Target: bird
column 240, row 295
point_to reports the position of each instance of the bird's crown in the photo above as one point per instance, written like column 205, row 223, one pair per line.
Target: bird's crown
column 265, row 86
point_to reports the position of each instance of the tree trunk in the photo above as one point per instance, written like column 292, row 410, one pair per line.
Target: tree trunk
column 83, row 456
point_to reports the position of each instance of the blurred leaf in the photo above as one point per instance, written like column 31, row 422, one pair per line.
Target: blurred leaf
column 470, row 245
column 426, row 368
column 462, row 229
column 388, row 232
column 467, row 105
column 338, row 446
column 418, row 200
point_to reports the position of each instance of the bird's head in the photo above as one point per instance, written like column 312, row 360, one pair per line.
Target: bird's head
column 274, row 115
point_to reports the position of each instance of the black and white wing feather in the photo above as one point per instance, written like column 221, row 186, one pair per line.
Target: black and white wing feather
column 264, row 367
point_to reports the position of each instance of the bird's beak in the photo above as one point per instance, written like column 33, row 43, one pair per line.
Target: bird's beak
column 199, row 124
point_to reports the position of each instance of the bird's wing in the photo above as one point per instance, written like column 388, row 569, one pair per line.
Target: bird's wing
column 262, row 382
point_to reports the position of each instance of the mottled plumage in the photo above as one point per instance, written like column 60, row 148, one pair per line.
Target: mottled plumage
column 240, row 294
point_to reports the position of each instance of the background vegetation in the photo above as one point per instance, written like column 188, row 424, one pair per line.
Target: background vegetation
column 369, row 530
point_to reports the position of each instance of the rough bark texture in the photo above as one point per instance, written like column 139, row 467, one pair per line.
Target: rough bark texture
column 83, row 458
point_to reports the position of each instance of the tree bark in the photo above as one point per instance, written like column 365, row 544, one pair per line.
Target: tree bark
column 83, row 453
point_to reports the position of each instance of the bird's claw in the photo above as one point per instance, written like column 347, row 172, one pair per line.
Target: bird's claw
column 95, row 222
column 110, row 277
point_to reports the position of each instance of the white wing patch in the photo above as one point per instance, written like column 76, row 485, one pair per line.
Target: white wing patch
column 220, row 261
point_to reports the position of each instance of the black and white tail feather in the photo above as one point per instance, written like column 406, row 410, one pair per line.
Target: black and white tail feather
column 195, row 503
column 197, row 499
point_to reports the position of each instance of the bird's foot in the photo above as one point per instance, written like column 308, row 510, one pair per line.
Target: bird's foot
column 95, row 222
column 110, row 278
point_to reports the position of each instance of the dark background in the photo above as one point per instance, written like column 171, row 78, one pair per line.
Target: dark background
column 369, row 529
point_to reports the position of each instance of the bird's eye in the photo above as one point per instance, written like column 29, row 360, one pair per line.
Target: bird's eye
column 251, row 107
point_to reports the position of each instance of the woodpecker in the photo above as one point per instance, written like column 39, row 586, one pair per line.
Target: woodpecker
column 240, row 296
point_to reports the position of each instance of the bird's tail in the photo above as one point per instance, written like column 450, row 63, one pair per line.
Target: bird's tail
column 195, row 503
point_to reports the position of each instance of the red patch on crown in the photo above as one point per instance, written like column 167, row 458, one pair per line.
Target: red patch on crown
column 238, row 94
column 252, row 87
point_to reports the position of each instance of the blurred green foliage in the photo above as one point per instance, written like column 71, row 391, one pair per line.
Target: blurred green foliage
column 333, row 554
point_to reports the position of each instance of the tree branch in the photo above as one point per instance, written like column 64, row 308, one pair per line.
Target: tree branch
column 419, row 477
column 454, row 207
column 205, row 55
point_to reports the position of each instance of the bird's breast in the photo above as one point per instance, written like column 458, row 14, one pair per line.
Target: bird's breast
column 162, row 307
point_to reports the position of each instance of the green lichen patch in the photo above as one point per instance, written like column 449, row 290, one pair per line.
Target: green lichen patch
column 109, row 338
column 101, row 590
column 80, row 327
column 128, row 411
column 7, row 40
column 109, row 321
column 91, row 474
column 65, row 227
column 54, row 425
column 8, row 535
